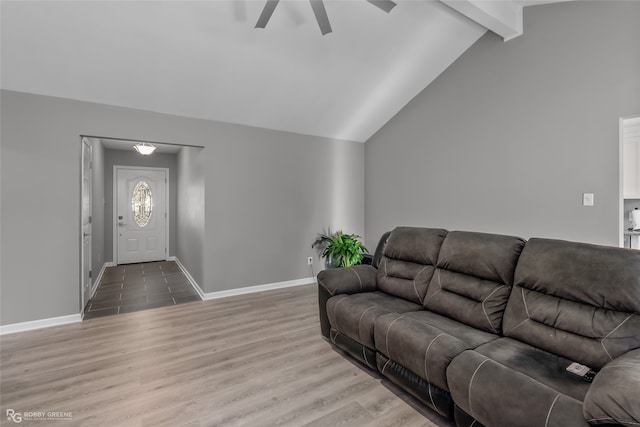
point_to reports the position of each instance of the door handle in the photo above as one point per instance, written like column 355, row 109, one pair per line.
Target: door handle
column 86, row 234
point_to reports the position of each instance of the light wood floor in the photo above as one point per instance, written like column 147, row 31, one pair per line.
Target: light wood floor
column 250, row 360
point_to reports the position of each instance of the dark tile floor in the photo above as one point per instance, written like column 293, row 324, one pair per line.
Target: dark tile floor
column 134, row 287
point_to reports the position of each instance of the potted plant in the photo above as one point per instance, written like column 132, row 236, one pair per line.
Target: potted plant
column 339, row 249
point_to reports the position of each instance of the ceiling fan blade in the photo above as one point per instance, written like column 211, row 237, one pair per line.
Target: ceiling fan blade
column 266, row 13
column 321, row 16
column 385, row 5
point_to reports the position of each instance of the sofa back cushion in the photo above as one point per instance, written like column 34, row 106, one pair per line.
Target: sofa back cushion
column 473, row 278
column 408, row 262
column 377, row 256
column 576, row 300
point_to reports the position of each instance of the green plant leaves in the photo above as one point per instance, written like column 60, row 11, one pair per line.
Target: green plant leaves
column 345, row 249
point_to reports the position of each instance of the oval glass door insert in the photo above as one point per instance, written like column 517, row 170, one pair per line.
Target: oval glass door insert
column 142, row 203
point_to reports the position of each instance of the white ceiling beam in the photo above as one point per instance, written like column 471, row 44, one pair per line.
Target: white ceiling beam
column 503, row 17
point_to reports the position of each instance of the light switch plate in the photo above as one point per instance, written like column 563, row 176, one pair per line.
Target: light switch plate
column 587, row 199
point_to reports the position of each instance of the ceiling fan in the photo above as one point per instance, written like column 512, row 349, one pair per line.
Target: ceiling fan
column 318, row 10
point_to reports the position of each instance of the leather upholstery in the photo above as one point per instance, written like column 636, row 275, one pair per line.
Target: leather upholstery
column 425, row 342
column 359, row 278
column 463, row 419
column 576, row 300
column 491, row 323
column 323, row 297
column 354, row 315
column 377, row 256
column 614, row 396
column 546, row 368
column 499, row 396
column 408, row 262
column 338, row 281
column 474, row 277
column 354, row 348
column 435, row 398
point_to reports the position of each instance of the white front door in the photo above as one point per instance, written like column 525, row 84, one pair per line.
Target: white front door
column 140, row 214
column 86, row 223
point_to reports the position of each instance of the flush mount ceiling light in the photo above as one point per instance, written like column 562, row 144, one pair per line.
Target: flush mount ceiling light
column 318, row 10
column 144, row 148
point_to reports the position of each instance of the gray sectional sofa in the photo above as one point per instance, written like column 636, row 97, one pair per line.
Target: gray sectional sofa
column 481, row 327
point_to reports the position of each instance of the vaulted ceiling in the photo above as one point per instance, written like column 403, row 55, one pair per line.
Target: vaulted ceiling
column 205, row 59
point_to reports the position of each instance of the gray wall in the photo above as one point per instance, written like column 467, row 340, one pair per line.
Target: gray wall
column 267, row 195
column 508, row 138
column 132, row 158
column 191, row 212
column 98, row 254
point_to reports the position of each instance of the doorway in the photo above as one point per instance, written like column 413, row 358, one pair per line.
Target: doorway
column 183, row 194
column 629, row 216
column 141, row 223
column 86, row 225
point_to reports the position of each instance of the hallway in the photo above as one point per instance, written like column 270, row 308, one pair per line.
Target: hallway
column 135, row 287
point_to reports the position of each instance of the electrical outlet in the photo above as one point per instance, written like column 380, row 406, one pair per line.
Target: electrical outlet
column 310, row 261
column 587, row 199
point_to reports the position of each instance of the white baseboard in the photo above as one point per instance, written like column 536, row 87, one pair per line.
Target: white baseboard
column 189, row 277
column 73, row 318
column 259, row 288
column 240, row 291
column 38, row 324
column 94, row 285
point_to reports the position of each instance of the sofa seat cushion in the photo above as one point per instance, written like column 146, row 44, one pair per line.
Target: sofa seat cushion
column 425, row 342
column 354, row 315
column 507, row 382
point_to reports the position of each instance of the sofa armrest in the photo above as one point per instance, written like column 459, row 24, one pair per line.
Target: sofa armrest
column 613, row 396
column 351, row 280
